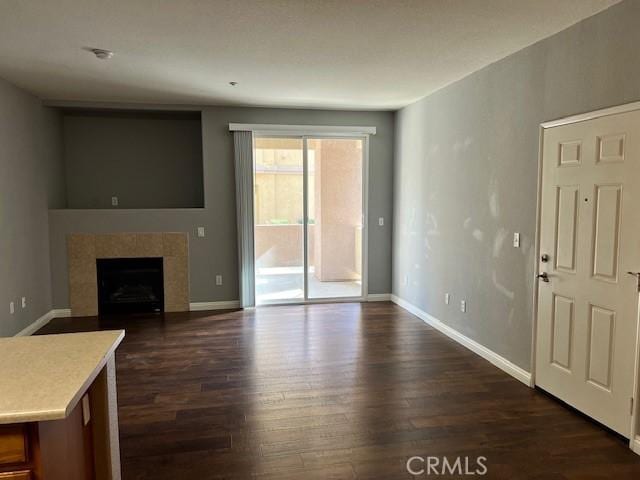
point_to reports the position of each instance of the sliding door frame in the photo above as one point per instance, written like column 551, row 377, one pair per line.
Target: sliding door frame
column 305, row 136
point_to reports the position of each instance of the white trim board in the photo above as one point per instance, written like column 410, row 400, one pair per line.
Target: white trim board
column 582, row 117
column 61, row 312
column 42, row 321
column 497, row 360
column 378, row 297
column 204, row 306
column 121, row 106
column 37, row 325
column 66, row 313
column 312, row 301
column 635, row 444
column 266, row 128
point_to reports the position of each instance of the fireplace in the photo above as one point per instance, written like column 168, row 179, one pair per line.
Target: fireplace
column 84, row 250
column 128, row 285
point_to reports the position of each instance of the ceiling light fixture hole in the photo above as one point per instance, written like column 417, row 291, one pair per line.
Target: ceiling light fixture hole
column 101, row 53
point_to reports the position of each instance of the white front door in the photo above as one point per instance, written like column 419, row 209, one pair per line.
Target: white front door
column 589, row 240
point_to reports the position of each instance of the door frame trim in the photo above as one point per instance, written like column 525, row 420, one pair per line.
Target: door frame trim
column 582, row 117
column 305, row 219
column 634, row 437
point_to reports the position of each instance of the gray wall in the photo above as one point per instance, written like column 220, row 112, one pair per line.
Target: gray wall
column 146, row 159
column 217, row 252
column 31, row 181
column 466, row 172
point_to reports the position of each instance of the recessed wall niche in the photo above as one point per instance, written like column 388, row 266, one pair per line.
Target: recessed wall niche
column 125, row 159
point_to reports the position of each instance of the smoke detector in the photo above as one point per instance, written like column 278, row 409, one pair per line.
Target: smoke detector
column 101, row 53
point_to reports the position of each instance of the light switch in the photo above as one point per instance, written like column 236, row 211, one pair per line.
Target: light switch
column 24, row 302
column 381, row 221
column 447, row 298
column 463, row 306
column 12, row 308
column 201, row 231
column 114, row 201
column 218, row 279
column 516, row 240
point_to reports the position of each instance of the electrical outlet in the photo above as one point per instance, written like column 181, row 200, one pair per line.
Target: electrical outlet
column 114, row 201
column 218, row 279
column 463, row 306
column 447, row 298
column 381, row 221
column 24, row 302
column 12, row 308
column 516, row 240
column 201, row 232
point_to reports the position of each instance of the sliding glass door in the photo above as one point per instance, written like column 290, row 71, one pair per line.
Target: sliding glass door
column 279, row 219
column 334, row 212
column 308, row 218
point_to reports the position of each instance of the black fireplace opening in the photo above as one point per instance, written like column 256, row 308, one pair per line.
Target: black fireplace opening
column 130, row 285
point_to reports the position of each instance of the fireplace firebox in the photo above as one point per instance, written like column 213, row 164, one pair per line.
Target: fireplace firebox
column 130, row 285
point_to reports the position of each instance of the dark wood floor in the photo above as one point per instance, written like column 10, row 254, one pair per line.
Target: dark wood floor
column 331, row 392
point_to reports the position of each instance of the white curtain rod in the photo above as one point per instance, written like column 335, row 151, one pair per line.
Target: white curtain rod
column 301, row 129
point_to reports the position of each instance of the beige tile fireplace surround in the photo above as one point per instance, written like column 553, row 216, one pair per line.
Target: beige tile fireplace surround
column 84, row 249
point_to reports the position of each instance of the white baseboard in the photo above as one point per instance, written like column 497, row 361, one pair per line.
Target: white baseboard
column 66, row 313
column 43, row 320
column 35, row 326
column 635, row 445
column 61, row 312
column 378, row 297
column 497, row 360
column 224, row 305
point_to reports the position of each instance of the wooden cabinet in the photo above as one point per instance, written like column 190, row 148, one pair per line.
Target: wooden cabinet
column 59, row 412
column 52, row 450
column 24, row 475
column 13, row 444
column 15, row 458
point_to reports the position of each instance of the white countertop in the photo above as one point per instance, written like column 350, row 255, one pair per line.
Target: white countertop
column 43, row 377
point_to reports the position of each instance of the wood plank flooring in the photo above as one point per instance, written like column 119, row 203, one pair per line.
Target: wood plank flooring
column 332, row 391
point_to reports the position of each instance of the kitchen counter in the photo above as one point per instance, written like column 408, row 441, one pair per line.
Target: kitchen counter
column 44, row 377
column 58, row 407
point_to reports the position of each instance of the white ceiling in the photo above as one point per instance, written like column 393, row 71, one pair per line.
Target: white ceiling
column 302, row 53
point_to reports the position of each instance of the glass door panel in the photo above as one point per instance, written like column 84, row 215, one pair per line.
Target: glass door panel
column 278, row 220
column 335, row 213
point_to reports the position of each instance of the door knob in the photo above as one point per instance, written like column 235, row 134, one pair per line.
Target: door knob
column 543, row 276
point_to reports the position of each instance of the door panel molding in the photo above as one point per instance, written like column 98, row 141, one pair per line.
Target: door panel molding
column 600, row 353
column 562, row 320
column 611, row 148
column 606, row 232
column 570, row 153
column 566, row 227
